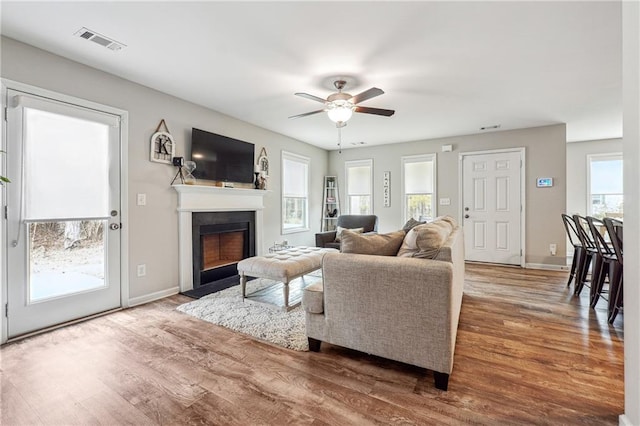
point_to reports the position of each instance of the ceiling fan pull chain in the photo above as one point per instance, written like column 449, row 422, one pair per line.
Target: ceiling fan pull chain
column 339, row 140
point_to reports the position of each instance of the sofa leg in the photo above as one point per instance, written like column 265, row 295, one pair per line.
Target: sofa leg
column 314, row 344
column 442, row 380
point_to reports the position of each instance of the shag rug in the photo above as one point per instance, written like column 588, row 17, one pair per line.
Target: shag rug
column 226, row 308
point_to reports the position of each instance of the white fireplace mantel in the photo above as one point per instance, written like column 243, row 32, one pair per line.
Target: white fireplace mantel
column 201, row 198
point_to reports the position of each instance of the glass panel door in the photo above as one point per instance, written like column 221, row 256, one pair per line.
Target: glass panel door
column 63, row 204
column 65, row 257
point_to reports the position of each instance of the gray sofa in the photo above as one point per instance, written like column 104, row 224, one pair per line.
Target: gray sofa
column 368, row 222
column 404, row 309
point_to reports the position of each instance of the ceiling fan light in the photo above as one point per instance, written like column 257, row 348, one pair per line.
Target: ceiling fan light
column 340, row 111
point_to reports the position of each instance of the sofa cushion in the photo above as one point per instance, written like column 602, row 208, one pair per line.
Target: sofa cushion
column 312, row 298
column 425, row 241
column 380, row 244
column 340, row 229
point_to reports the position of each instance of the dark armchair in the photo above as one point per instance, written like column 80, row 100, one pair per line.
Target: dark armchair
column 328, row 239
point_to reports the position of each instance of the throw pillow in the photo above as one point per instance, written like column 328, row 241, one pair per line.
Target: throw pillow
column 424, row 241
column 340, row 229
column 449, row 219
column 380, row 244
column 411, row 223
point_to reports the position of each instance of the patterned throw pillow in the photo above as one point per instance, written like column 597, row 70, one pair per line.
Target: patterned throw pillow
column 380, row 244
column 340, row 229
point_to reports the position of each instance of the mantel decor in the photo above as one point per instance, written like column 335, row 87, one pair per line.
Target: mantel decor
column 163, row 147
column 263, row 162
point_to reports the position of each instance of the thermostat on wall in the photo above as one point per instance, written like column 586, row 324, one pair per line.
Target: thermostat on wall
column 544, row 182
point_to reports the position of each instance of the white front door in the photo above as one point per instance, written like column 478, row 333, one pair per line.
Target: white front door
column 492, row 207
column 63, row 212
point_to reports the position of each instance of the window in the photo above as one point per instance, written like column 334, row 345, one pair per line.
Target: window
column 605, row 185
column 418, row 186
column 295, row 190
column 358, row 177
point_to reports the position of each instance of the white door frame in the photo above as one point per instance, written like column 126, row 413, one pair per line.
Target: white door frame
column 124, row 189
column 523, row 174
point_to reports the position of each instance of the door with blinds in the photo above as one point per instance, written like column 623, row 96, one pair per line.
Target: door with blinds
column 63, row 212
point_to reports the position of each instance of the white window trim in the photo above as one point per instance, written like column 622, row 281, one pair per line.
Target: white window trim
column 590, row 158
column 300, row 158
column 357, row 163
column 434, row 196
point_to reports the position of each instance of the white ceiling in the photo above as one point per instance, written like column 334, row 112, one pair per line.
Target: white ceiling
column 448, row 68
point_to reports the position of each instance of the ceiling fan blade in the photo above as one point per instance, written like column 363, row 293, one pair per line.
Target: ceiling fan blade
column 367, row 94
column 311, row 97
column 307, row 113
column 376, row 111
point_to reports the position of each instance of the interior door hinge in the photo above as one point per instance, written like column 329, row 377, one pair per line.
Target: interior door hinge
column 6, row 310
column 6, row 214
column 5, row 113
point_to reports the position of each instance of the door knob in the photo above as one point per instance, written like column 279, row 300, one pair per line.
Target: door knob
column 466, row 216
column 114, row 226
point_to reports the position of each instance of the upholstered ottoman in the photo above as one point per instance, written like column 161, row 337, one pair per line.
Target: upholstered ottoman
column 283, row 266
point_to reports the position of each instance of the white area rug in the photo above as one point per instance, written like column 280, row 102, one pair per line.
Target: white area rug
column 226, row 308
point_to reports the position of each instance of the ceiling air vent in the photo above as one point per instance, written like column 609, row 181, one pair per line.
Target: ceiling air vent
column 494, row 127
column 103, row 41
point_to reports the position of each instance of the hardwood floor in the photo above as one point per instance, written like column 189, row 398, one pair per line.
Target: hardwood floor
column 527, row 352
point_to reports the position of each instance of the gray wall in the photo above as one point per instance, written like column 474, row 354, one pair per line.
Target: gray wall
column 545, row 157
column 577, row 153
column 153, row 230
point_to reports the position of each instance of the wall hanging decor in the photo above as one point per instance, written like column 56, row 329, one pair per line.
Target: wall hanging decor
column 386, row 189
column 263, row 162
column 163, row 147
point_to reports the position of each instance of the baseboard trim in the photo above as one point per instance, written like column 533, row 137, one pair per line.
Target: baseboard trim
column 134, row 301
column 546, row 266
column 623, row 420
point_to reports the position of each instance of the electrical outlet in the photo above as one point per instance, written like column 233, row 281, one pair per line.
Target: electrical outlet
column 142, row 270
column 142, row 199
column 552, row 249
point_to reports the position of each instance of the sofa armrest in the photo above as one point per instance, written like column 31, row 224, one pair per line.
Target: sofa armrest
column 325, row 237
column 399, row 308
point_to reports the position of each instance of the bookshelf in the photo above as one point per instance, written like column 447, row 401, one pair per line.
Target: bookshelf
column 330, row 204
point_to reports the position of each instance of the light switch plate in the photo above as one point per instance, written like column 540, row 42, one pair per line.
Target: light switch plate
column 445, row 201
column 142, row 199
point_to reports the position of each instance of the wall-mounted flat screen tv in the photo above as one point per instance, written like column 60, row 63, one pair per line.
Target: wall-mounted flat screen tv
column 221, row 158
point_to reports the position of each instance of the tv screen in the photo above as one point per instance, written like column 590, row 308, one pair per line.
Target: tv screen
column 221, row 158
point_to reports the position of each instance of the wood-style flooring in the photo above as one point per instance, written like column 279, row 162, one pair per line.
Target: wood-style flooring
column 528, row 352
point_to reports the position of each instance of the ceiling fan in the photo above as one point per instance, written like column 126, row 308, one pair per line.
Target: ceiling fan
column 340, row 106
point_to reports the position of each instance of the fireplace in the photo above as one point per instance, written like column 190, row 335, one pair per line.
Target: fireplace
column 197, row 199
column 220, row 241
